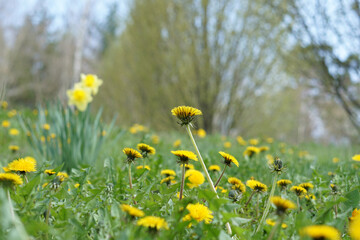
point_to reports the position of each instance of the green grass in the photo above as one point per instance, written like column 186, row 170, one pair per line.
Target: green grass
column 92, row 210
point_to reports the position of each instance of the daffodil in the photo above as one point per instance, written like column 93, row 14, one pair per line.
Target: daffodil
column 80, row 97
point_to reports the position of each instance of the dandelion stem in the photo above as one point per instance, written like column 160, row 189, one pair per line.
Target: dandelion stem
column 182, row 181
column 298, row 203
column 130, row 180
column 11, row 206
column 267, row 208
column 217, row 182
column 248, row 201
column 26, row 179
column 48, row 213
column 228, row 227
column 257, row 205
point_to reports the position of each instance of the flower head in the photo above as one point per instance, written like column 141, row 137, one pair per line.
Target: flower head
column 228, row 159
column 250, row 151
column 256, row 186
column 10, row 179
column 307, row 186
column 5, row 124
column 355, row 214
column 14, row 148
column 80, row 97
column 188, row 166
column 237, row 184
column 272, row 223
column 264, row 148
column 14, row 132
column 320, row 232
column 168, row 172
column 254, row 141
column 201, row 133
column 4, row 104
column 167, row 180
column 241, row 141
column 132, row 211
column 185, row 114
column 354, row 228
column 91, row 82
column 23, row 165
column 145, row 149
column 356, row 157
column 299, row 191
column 184, row 156
column 283, row 183
column 154, row 223
column 62, row 176
column 282, row 204
column 198, row 212
column 46, row 126
column 195, row 178
column 234, row 180
column 214, row 168
column 177, row 143
column 131, row 154
column 143, row 167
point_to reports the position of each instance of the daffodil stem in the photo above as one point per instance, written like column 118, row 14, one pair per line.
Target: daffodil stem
column 267, row 208
column 130, row 180
column 182, row 181
column 276, row 227
column 11, row 206
column 217, row 182
column 228, row 227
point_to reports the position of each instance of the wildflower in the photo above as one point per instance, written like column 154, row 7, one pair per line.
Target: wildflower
column 80, row 97
column 14, row 148
column 234, row 180
column 320, row 232
column 10, row 179
column 132, row 211
column 131, row 154
column 23, row 165
column 167, row 180
column 241, row 141
column 356, row 157
column 354, row 229
column 307, row 186
column 143, row 167
column 4, row 104
column 283, row 183
column 91, row 82
column 145, row 149
column 250, row 151
column 299, row 191
column 201, row 133
column 222, row 189
column 272, row 223
column 5, row 124
column 198, row 212
column 42, row 139
column 254, row 141
column 264, row 148
column 196, row 178
column 214, row 168
column 310, row 197
column 153, row 223
column 188, row 166
column 14, row 132
column 334, row 188
column 256, row 186
column 335, row 160
column 46, row 126
column 184, row 156
column 227, row 144
column 44, row 185
column 12, row 113
column 76, row 185
column 269, row 140
column 177, row 143
column 168, row 172
column 228, row 159
column 270, row 159
column 282, row 205
column 237, row 184
column 62, row 176
column 185, row 114
column 155, row 139
column 137, row 128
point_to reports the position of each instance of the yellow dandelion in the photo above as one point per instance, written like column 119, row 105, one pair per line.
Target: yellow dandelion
column 303, row 154
column 354, row 228
column 46, row 126
column 14, row 148
column 234, row 180
column 6, row 169
column 185, row 114
column 12, row 113
column 195, row 178
column 270, row 159
column 298, row 190
column 152, row 222
column 145, row 149
column 188, row 166
column 76, row 185
column 256, row 186
column 10, row 179
column 228, row 159
column 254, row 141
column 198, row 212
column 356, row 157
column 272, row 223
column 155, row 139
column 310, row 197
column 250, row 151
column 227, row 144
column 49, row 172
column 168, row 172
column 214, row 168
column 5, row 124
column 132, row 211
column 4, row 104
column 167, row 180
column 177, row 143
column 80, row 97
column 283, row 183
column 223, row 190
column 241, row 141
column 201, row 133
column 23, row 165
column 282, row 204
column 184, row 155
column 142, row 167
column 263, row 148
column 62, row 176
column 91, row 82
column 307, row 186
column 335, row 160
column 269, row 140
column 355, row 214
column 131, row 154
column 44, row 185
column 320, row 232
column 14, row 132
column 239, row 186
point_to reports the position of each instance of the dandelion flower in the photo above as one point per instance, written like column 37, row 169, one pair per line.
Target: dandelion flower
column 5, row 124
column 282, row 204
column 227, row 144
column 80, row 97
column 4, row 104
column 46, row 126
column 299, row 191
column 188, row 166
column 145, row 149
column 14, row 148
column 237, row 184
column 241, row 141
column 307, row 186
column 198, row 212
column 10, row 179
column 77, row 185
column 132, row 211
column 234, row 180
column 272, row 223
column 201, row 133
column 320, row 232
column 184, row 155
column 91, row 82
column 23, row 165
column 62, row 176
column 153, row 223
column 283, row 183
column 167, row 180
column 256, row 186
column 142, row 167
column 228, row 159
column 14, row 132
column 254, row 141
column 335, row 160
column 155, row 139
column 356, row 158
column 177, row 143
column 131, row 154
column 12, row 113
column 250, row 151
column 185, row 114
column 264, row 148
column 310, row 197
column 214, row 168
column 355, row 214
column 168, row 172
column 269, row 140
column 354, row 229
column 196, row 178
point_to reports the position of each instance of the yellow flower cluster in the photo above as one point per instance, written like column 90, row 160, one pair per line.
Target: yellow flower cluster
column 198, row 212
column 132, row 211
column 195, row 178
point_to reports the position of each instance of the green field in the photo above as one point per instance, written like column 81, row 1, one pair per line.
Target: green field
column 87, row 204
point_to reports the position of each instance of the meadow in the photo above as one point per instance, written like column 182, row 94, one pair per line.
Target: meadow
column 73, row 176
